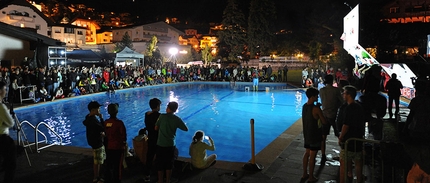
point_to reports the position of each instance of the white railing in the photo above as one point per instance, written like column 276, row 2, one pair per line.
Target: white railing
column 36, row 136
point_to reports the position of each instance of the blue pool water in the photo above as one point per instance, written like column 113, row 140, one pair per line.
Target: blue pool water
column 220, row 110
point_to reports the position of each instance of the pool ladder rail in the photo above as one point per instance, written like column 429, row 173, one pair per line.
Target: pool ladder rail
column 36, row 142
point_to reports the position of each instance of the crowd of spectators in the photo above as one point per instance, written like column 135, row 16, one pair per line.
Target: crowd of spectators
column 315, row 77
column 50, row 83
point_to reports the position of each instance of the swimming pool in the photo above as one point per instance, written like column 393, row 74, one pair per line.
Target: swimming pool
column 219, row 109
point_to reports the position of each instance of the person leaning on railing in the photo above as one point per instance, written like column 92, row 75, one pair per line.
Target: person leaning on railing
column 7, row 145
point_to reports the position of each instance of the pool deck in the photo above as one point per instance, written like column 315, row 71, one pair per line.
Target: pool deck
column 282, row 161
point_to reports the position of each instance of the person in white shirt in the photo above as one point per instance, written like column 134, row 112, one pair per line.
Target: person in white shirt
column 7, row 145
column 198, row 148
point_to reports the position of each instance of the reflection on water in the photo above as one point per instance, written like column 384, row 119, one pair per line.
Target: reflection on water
column 61, row 125
column 173, row 98
column 273, row 101
column 213, row 105
column 298, row 103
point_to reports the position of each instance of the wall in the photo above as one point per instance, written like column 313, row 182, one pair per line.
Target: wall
column 31, row 21
column 70, row 39
column 104, row 37
column 14, row 49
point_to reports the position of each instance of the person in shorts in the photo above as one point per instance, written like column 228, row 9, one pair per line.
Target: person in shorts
column 166, row 126
column 95, row 134
column 331, row 100
column 312, row 117
column 353, row 127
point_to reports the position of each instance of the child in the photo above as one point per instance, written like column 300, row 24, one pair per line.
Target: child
column 166, row 126
column 116, row 144
column 151, row 118
column 95, row 134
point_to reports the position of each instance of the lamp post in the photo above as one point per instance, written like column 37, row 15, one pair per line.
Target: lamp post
column 173, row 52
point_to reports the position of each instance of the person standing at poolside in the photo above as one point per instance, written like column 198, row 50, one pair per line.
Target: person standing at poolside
column 166, row 126
column 312, row 133
column 331, row 100
column 393, row 86
column 8, row 149
column 116, row 139
column 151, row 118
column 95, row 134
column 255, row 76
column 353, row 127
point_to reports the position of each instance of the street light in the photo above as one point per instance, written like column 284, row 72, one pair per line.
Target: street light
column 173, row 52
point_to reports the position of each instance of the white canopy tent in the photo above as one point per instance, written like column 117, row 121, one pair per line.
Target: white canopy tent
column 128, row 57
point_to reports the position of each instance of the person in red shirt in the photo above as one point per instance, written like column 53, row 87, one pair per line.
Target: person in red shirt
column 106, row 76
column 115, row 143
column 338, row 75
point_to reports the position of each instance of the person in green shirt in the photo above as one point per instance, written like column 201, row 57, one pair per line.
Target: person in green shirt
column 166, row 126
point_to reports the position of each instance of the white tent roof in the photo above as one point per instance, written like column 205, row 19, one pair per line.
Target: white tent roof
column 128, row 53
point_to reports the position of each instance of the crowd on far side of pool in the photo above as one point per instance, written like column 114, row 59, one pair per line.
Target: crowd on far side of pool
column 50, row 83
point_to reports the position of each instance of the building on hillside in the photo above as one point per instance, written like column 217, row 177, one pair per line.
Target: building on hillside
column 165, row 33
column 23, row 14
column 190, row 40
column 210, row 41
column 191, row 32
column 91, row 29
column 18, row 43
column 72, row 35
column 214, row 28
column 104, row 36
column 407, row 11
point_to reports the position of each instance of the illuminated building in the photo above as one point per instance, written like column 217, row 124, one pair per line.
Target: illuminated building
column 407, row 11
column 22, row 14
column 91, row 29
column 190, row 40
column 104, row 37
column 70, row 34
column 164, row 32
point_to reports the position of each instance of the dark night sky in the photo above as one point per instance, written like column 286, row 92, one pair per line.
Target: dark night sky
column 200, row 11
column 289, row 13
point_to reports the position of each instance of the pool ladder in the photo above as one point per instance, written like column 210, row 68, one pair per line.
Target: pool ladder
column 36, row 136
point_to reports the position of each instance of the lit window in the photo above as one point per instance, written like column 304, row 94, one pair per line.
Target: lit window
column 394, row 10
column 22, row 25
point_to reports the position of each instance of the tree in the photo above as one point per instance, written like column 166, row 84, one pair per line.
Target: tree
column 207, row 55
column 260, row 23
column 125, row 42
column 233, row 36
column 151, row 47
column 314, row 50
column 152, row 54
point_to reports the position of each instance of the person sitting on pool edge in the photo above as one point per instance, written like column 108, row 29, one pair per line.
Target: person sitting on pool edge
column 198, row 148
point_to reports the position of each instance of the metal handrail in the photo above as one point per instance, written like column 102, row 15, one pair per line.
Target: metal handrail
column 36, row 136
column 36, row 131
column 373, row 158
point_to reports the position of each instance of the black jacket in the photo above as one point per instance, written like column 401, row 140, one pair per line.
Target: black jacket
column 94, row 129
